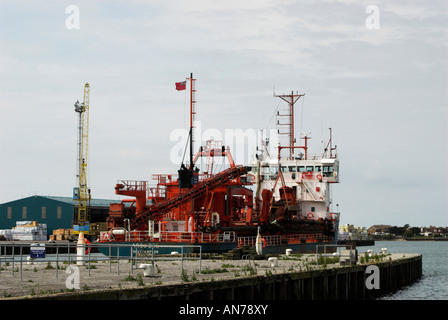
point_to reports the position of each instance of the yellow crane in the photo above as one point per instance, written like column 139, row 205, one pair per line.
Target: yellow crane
column 81, row 193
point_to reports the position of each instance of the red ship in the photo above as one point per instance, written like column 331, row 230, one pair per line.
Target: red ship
column 284, row 202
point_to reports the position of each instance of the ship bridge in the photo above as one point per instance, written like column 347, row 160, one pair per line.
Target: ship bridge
column 294, row 169
column 309, row 178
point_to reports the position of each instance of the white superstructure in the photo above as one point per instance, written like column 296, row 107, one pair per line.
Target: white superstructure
column 309, row 177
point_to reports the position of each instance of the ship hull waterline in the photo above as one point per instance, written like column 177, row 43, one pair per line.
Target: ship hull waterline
column 213, row 247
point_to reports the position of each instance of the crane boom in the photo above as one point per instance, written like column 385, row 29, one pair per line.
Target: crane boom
column 81, row 193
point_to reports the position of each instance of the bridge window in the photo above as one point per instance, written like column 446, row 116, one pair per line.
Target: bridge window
column 309, row 169
column 301, row 169
column 328, row 171
column 292, row 168
column 318, row 168
column 265, row 172
column 274, row 172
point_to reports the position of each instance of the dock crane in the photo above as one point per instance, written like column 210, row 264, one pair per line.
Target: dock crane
column 81, row 193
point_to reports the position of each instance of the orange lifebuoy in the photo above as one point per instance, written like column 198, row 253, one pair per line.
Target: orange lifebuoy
column 310, row 215
column 319, row 177
column 264, row 243
column 87, row 242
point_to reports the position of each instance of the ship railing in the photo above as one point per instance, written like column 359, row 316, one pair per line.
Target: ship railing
column 251, row 241
column 165, row 236
column 164, row 179
column 185, row 236
column 310, row 156
column 121, row 234
column 312, row 237
column 132, row 185
column 136, row 236
column 289, row 239
column 179, row 236
column 156, row 192
column 192, row 237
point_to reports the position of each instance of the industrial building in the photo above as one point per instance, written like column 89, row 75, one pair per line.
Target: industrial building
column 55, row 212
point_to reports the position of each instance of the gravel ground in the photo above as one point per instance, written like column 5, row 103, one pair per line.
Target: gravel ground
column 41, row 278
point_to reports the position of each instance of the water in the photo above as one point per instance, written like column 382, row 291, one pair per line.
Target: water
column 433, row 285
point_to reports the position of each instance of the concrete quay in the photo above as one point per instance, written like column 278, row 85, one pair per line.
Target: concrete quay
column 295, row 277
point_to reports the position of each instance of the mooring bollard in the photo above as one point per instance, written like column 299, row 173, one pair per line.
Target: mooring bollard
column 148, row 269
column 81, row 250
column 273, row 261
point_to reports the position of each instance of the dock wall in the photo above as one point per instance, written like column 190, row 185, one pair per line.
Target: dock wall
column 341, row 283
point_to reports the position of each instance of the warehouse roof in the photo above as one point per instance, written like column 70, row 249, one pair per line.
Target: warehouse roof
column 93, row 202
column 69, row 200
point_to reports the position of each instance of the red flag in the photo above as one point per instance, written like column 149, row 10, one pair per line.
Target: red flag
column 181, row 85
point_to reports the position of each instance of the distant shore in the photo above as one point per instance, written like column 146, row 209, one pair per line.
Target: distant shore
column 412, row 239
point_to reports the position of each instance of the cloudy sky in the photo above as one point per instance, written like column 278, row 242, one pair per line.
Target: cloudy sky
column 377, row 78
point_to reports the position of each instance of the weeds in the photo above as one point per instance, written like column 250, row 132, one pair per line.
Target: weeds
column 296, row 256
column 249, row 269
column 207, row 270
column 184, row 276
column 140, row 281
column 130, row 278
column 49, row 266
column 377, row 258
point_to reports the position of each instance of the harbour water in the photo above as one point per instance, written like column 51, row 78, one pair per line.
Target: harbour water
column 433, row 285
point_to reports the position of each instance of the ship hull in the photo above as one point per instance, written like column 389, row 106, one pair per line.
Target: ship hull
column 123, row 248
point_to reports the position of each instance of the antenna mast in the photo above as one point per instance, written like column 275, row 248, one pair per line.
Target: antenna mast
column 192, row 115
column 291, row 99
column 187, row 177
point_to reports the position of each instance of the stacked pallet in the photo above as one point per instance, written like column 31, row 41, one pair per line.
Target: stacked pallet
column 29, row 230
column 61, row 234
column 6, row 234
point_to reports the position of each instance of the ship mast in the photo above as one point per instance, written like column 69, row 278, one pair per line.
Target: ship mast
column 290, row 99
column 186, row 176
column 192, row 115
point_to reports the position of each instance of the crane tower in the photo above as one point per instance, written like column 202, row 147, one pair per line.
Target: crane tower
column 81, row 193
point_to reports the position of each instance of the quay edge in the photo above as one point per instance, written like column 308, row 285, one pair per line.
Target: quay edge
column 339, row 283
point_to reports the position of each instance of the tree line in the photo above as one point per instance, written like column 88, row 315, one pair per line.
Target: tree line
column 404, row 231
